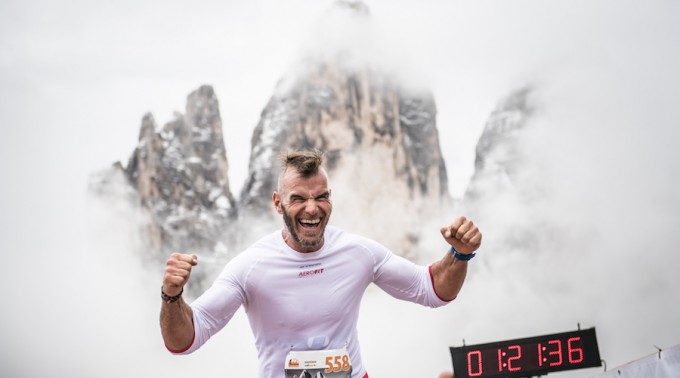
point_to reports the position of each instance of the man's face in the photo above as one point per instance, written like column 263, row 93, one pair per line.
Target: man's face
column 305, row 204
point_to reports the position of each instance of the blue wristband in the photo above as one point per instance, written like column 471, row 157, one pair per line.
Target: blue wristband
column 462, row 257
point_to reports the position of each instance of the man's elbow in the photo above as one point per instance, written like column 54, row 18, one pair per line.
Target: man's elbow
column 179, row 349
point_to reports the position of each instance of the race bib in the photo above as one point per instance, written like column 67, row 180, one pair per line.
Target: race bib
column 333, row 363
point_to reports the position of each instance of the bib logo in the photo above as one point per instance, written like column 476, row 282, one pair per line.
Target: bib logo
column 293, row 363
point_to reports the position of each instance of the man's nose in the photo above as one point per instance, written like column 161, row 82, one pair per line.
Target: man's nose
column 311, row 206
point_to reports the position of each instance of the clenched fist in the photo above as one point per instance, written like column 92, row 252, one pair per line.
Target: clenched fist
column 177, row 272
column 463, row 235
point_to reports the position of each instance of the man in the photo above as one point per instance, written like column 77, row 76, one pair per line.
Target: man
column 301, row 286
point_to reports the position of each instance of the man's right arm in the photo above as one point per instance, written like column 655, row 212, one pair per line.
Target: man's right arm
column 176, row 316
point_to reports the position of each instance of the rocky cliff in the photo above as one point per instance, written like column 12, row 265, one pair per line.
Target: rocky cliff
column 510, row 190
column 499, row 156
column 180, row 174
column 380, row 140
column 381, row 144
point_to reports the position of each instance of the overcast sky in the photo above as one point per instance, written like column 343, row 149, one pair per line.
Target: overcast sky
column 77, row 76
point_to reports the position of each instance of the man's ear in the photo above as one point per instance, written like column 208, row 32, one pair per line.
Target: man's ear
column 277, row 202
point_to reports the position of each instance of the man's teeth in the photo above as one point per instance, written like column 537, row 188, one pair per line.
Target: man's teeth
column 310, row 222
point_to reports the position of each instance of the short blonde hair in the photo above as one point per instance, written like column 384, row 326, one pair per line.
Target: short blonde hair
column 305, row 163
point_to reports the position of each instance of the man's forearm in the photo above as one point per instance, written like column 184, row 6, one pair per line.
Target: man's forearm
column 448, row 275
column 177, row 325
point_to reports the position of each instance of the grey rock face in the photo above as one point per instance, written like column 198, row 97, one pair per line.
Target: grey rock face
column 180, row 174
column 380, row 138
column 498, row 153
column 380, row 141
column 510, row 191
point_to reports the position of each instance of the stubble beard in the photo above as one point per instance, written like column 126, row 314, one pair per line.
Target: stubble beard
column 290, row 226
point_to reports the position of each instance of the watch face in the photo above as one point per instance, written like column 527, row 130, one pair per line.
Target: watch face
column 529, row 356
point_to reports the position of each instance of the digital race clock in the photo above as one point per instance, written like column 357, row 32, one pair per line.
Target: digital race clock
column 527, row 357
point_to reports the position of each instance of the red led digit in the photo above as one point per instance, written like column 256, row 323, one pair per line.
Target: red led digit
column 517, row 357
column 540, row 354
column 500, row 361
column 557, row 352
column 575, row 354
column 479, row 363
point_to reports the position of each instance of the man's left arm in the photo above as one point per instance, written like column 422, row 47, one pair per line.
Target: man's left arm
column 448, row 274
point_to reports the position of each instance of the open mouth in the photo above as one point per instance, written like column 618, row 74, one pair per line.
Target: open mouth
column 309, row 223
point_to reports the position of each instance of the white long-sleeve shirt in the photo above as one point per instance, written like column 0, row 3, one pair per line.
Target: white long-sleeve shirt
column 306, row 301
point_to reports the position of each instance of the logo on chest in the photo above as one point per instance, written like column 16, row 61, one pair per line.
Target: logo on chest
column 310, row 270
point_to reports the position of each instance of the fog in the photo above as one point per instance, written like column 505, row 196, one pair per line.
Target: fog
column 77, row 77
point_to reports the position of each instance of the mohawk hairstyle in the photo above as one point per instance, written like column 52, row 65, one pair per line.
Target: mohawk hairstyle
column 306, row 163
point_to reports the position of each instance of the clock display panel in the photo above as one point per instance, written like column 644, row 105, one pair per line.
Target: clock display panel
column 529, row 356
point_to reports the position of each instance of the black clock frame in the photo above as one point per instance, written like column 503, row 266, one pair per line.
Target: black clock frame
column 558, row 351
